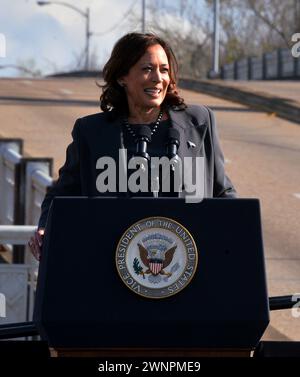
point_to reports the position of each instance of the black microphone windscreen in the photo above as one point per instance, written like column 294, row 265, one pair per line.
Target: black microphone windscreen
column 173, row 134
column 143, row 131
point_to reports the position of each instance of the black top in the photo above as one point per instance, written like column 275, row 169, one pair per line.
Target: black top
column 156, row 148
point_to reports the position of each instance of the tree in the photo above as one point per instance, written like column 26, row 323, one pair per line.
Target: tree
column 28, row 68
column 190, row 41
column 247, row 28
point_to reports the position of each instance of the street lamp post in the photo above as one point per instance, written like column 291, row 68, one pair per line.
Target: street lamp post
column 215, row 67
column 143, row 16
column 87, row 38
column 297, row 14
column 85, row 14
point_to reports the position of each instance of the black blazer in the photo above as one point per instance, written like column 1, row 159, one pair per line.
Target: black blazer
column 98, row 135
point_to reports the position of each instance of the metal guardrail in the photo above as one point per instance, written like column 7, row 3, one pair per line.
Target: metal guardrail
column 37, row 178
column 16, row 234
column 10, row 158
column 276, row 65
column 23, row 184
column 17, row 330
column 10, row 188
column 282, row 302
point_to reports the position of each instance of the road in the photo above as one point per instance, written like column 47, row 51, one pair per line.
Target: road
column 262, row 158
column 287, row 90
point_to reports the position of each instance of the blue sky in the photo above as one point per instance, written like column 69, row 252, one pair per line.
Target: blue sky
column 54, row 35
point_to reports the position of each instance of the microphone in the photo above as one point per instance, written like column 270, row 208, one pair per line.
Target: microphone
column 173, row 143
column 141, row 158
column 173, row 137
column 143, row 136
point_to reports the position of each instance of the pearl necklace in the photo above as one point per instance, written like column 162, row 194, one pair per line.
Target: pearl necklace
column 153, row 128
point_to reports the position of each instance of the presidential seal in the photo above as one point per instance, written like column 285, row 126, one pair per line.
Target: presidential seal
column 156, row 257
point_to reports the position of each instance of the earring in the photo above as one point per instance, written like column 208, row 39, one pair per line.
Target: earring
column 121, row 84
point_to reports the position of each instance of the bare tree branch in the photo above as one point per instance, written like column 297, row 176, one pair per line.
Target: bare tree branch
column 259, row 13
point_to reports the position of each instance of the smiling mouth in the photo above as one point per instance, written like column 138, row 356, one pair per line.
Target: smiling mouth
column 152, row 91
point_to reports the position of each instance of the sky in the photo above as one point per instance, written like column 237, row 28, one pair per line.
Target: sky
column 52, row 37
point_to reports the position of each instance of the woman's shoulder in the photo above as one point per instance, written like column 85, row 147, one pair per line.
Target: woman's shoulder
column 101, row 117
column 93, row 121
column 201, row 113
column 192, row 108
column 198, row 110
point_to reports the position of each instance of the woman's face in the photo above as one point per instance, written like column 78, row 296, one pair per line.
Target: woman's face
column 147, row 81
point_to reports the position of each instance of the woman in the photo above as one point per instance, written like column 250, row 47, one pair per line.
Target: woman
column 140, row 89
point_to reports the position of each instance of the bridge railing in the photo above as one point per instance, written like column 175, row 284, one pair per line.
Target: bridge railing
column 23, row 184
column 276, row 65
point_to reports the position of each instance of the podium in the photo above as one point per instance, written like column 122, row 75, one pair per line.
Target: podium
column 84, row 308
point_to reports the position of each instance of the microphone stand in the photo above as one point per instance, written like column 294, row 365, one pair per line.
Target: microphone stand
column 143, row 137
column 155, row 184
column 172, row 148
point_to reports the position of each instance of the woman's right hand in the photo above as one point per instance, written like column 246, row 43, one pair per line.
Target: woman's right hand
column 35, row 243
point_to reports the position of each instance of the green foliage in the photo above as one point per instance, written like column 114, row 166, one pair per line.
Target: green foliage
column 138, row 269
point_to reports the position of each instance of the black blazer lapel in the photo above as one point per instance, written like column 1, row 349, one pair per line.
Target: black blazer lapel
column 192, row 133
column 191, row 130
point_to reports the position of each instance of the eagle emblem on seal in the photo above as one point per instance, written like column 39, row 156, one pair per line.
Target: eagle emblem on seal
column 155, row 259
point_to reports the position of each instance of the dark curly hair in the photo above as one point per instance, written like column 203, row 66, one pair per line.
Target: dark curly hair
column 125, row 54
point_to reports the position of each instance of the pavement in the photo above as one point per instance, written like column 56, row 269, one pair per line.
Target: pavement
column 262, row 152
column 43, row 112
column 281, row 98
column 285, row 91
